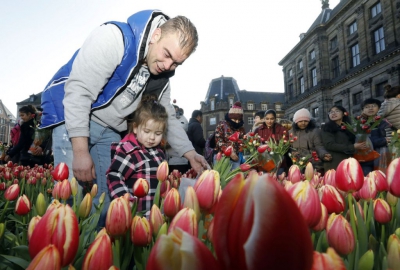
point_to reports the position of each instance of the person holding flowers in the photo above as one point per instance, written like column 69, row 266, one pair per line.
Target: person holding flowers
column 308, row 139
column 139, row 154
column 390, row 108
column 339, row 141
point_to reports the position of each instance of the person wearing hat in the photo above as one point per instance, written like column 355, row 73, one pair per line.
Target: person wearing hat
column 308, row 139
column 233, row 123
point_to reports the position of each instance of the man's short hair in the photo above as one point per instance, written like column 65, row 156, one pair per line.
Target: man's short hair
column 371, row 101
column 197, row 113
column 260, row 114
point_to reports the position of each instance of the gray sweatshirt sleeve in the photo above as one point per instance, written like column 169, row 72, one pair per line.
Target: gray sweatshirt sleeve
column 176, row 135
column 96, row 61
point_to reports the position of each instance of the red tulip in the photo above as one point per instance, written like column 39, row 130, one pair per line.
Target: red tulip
column 186, row 220
column 207, row 189
column 99, row 254
column 119, row 217
column 59, row 226
column 328, row 261
column 324, row 219
column 294, row 174
column 56, row 191
column 60, row 172
column 332, row 199
column 23, row 205
column 32, row 224
column 12, row 192
column 228, row 151
column 140, row 232
column 340, row 235
column 380, row 180
column 47, row 258
column 234, row 137
column 392, row 175
column 64, row 191
column 349, row 175
column 368, row 190
column 172, row 203
column 306, row 198
column 165, row 188
column 382, row 211
column 156, row 219
column 2, row 186
column 162, row 171
column 261, row 149
column 141, row 188
column 245, row 167
column 180, row 250
column 251, row 219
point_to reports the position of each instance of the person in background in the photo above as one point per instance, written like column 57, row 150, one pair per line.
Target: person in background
column 390, row 108
column 308, row 139
column 270, row 128
column 195, row 132
column 14, row 135
column 181, row 118
column 337, row 140
column 378, row 137
column 258, row 120
column 139, row 154
column 233, row 123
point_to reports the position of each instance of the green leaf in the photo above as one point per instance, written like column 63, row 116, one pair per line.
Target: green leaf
column 366, row 261
column 156, row 200
column 362, row 230
column 18, row 261
column 23, row 252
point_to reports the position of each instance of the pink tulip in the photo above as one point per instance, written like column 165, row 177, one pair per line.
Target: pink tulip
column 99, row 255
column 156, row 219
column 32, row 224
column 12, row 192
column 380, row 180
column 56, row 191
column 162, row 171
column 140, row 232
column 47, row 258
column 172, row 203
column 332, row 199
column 368, row 190
column 2, row 186
column 306, row 198
column 324, row 219
column 65, row 189
column 328, row 261
column 186, row 220
column 192, row 202
column 382, row 211
column 207, row 189
column 118, row 218
column 340, row 235
column 165, row 188
column 294, row 174
column 59, row 226
column 141, row 188
column 349, row 175
column 23, row 206
column 392, row 175
column 252, row 218
column 180, row 250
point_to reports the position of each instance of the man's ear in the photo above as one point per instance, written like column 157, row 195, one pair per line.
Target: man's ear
column 156, row 35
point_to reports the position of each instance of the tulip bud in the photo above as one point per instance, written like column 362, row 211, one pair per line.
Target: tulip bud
column 380, row 180
column 85, row 207
column 12, row 192
column 324, row 219
column 119, row 217
column 99, row 254
column 172, row 203
column 165, row 188
column 162, row 171
column 332, row 199
column 74, row 186
column 228, row 151
column 393, row 247
column 234, row 137
column 245, row 167
column 141, row 188
column 32, row 224
column 140, row 232
column 328, row 260
column 41, row 204
column 368, row 191
column 309, row 171
column 392, row 200
column 218, row 156
column 102, row 197
column 156, row 219
column 340, row 235
column 294, row 174
column 23, row 205
column 186, row 220
column 262, row 148
column 366, row 261
column 393, row 170
column 48, row 258
column 64, row 190
column 207, row 189
column 60, row 172
column 382, row 211
column 349, row 175
column 192, row 202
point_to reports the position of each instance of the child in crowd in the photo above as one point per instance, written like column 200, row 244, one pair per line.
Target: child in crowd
column 138, row 154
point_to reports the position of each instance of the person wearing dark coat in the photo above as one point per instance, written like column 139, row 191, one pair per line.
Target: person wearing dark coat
column 195, row 132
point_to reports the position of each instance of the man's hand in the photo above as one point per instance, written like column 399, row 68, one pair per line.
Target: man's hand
column 82, row 163
column 197, row 162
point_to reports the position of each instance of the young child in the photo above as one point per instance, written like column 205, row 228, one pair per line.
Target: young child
column 138, row 154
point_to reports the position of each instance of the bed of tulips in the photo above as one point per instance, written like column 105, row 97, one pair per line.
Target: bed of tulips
column 243, row 221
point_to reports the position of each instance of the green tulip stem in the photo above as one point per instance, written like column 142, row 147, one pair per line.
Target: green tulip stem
column 383, row 239
column 4, row 210
column 352, row 219
column 24, row 232
column 74, row 203
column 365, row 210
column 118, row 249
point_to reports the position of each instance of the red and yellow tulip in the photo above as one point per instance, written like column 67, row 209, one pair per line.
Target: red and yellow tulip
column 119, row 217
column 186, row 220
column 99, row 254
column 172, row 203
column 382, row 211
column 349, row 175
column 340, row 235
column 48, row 258
column 207, row 189
column 141, row 188
column 140, row 231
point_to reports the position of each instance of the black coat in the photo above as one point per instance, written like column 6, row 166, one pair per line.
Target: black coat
column 195, row 134
column 25, row 139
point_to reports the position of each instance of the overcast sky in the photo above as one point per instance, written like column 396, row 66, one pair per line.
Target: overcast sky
column 240, row 39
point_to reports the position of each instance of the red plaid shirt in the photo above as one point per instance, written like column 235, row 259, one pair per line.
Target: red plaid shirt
column 131, row 161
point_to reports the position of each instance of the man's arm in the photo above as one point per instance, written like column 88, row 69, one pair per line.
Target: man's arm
column 82, row 163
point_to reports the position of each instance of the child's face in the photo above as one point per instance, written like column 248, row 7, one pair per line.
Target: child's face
column 150, row 134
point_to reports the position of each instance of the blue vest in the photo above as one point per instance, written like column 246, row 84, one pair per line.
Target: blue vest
column 135, row 33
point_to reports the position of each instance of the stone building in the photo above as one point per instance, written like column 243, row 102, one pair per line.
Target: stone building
column 7, row 122
column 223, row 92
column 347, row 55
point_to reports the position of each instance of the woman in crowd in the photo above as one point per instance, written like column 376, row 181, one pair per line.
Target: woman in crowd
column 308, row 139
column 390, row 108
column 337, row 139
column 233, row 123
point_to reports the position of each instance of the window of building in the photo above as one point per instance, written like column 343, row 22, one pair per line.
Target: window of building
column 230, row 102
column 212, row 105
column 290, row 90
column 355, row 55
column 376, row 9
column 301, row 83
column 357, row 98
column 300, row 64
column 315, row 112
column 379, row 89
column 264, row 107
column 213, row 121
column 250, row 120
column 353, row 28
column 379, row 38
column 1, row 111
column 335, row 67
column 334, row 43
column 338, row 103
column 290, row 72
column 312, row 54
column 314, row 76
column 278, row 107
column 250, row 106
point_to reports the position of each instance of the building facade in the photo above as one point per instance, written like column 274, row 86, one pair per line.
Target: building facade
column 348, row 54
column 7, row 122
column 223, row 92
